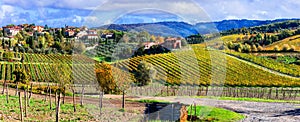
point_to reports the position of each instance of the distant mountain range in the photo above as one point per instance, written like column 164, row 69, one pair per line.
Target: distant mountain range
column 184, row 29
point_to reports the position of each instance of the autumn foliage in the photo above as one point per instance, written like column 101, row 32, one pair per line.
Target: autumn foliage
column 105, row 78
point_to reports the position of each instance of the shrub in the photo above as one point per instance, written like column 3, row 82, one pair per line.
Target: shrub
column 142, row 74
column 246, row 48
column 239, row 50
column 276, row 48
column 285, row 47
column 260, row 48
column 253, row 48
column 293, row 48
column 230, row 45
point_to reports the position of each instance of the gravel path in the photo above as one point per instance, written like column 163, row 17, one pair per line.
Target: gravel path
column 254, row 111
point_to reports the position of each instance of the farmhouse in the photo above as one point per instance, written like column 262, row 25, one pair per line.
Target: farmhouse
column 147, row 45
column 12, row 30
column 172, row 43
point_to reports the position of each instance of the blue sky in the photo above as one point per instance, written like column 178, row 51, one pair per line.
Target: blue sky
column 98, row 12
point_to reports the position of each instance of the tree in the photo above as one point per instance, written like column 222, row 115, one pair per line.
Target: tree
column 142, row 74
column 152, row 38
column 246, row 48
column 260, row 48
column 285, row 47
column 79, row 48
column 184, row 43
column 253, row 48
column 276, row 48
column 125, row 38
column 49, row 39
column 21, row 76
column 63, row 78
column 9, row 55
column 143, row 36
column 195, row 39
column 105, row 78
column 160, row 39
column 42, row 42
column 1, row 34
column 123, row 80
column 293, row 48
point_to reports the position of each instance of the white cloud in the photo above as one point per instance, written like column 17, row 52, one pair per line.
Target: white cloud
column 153, row 20
column 7, row 8
column 231, row 17
column 66, row 4
column 263, row 12
column 64, row 11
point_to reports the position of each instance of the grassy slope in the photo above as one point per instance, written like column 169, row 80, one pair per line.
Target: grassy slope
column 233, row 37
column 40, row 111
column 215, row 114
column 294, row 40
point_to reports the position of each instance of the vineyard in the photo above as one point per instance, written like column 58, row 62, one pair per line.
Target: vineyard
column 44, row 68
column 187, row 67
column 198, row 71
column 290, row 69
column 180, row 68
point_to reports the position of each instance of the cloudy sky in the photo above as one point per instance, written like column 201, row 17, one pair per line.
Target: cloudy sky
column 98, row 12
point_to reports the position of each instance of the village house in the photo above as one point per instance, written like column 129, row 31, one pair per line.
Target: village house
column 38, row 28
column 108, row 35
column 81, row 34
column 89, row 34
column 70, row 33
column 147, row 45
column 12, row 30
column 172, row 43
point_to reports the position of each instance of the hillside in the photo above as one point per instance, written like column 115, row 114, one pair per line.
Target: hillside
column 180, row 68
column 294, row 40
column 184, row 29
column 44, row 68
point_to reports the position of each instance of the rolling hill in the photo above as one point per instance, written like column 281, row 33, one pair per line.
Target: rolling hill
column 294, row 40
column 185, row 29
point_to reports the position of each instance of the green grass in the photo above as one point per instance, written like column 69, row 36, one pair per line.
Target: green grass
column 207, row 113
column 249, row 99
column 99, row 58
column 40, row 110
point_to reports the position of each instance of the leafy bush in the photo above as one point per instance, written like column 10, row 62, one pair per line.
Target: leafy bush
column 276, row 48
column 253, row 48
column 142, row 74
column 293, row 48
column 260, row 48
column 285, row 47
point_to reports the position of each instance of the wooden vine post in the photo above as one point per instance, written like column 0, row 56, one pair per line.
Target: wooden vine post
column 82, row 95
column 57, row 108
column 20, row 103
column 7, row 100
column 74, row 102
column 50, row 99
column 25, row 103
